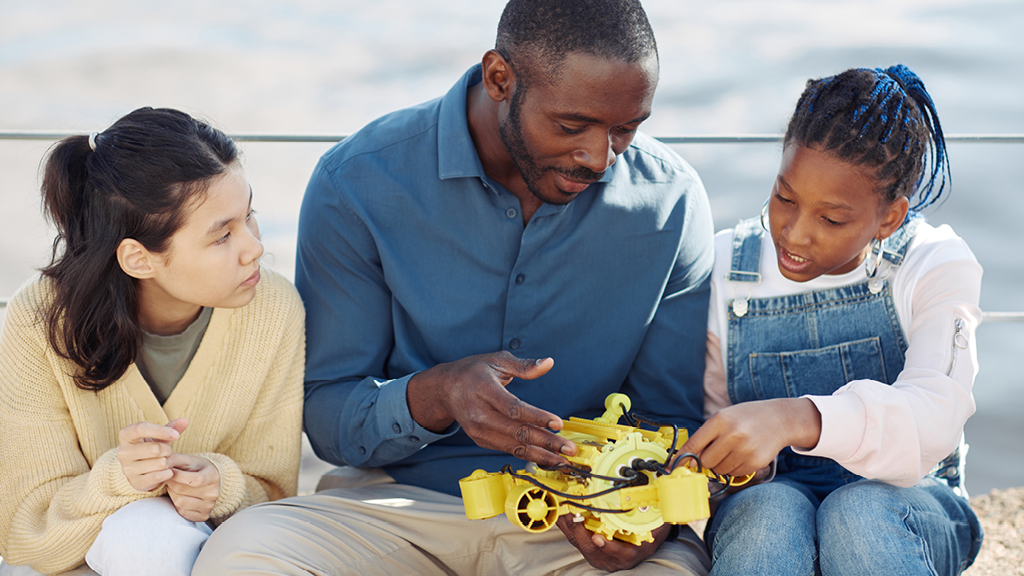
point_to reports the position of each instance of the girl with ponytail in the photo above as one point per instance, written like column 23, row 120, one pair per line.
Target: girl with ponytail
column 151, row 378
column 841, row 352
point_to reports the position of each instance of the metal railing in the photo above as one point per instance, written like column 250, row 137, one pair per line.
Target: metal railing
column 53, row 135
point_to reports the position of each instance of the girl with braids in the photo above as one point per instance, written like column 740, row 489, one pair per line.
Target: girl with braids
column 151, row 378
column 841, row 350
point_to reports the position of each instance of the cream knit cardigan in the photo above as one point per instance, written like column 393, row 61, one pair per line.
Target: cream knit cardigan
column 59, row 473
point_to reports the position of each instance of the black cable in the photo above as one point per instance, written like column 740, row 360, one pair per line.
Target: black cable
column 685, row 455
column 580, row 472
column 657, row 424
column 625, row 414
column 602, row 510
column 507, row 469
column 714, row 495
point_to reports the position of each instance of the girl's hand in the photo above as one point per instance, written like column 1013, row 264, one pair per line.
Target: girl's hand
column 194, row 486
column 746, row 437
column 143, row 449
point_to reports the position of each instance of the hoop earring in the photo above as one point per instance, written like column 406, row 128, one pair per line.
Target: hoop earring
column 874, row 257
column 764, row 213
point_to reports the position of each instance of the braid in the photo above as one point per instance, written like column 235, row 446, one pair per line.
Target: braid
column 882, row 119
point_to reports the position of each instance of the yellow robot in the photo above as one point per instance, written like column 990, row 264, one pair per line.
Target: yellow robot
column 622, row 483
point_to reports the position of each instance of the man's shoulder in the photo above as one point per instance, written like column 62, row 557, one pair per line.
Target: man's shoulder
column 398, row 132
column 652, row 171
column 647, row 153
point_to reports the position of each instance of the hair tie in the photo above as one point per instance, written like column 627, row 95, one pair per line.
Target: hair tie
column 92, row 140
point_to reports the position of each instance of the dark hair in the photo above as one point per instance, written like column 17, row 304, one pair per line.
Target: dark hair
column 542, row 32
column 882, row 119
column 144, row 176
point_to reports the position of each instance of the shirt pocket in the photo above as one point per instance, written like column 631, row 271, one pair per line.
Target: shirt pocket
column 819, row 371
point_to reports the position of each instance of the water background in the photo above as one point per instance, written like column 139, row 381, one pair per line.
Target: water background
column 730, row 66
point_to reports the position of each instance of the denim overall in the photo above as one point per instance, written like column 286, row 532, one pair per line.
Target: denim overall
column 814, row 343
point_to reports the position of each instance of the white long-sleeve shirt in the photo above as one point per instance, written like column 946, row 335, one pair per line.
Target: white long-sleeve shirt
column 895, row 433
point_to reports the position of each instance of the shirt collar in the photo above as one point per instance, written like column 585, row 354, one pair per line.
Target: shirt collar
column 457, row 156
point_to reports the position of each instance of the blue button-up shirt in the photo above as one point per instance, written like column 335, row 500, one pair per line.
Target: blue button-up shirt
column 409, row 255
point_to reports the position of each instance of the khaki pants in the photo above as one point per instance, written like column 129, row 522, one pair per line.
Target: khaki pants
column 376, row 526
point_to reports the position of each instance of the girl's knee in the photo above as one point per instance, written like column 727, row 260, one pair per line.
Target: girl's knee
column 765, row 516
column 147, row 536
column 861, row 504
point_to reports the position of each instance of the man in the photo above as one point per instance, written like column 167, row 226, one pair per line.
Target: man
column 473, row 268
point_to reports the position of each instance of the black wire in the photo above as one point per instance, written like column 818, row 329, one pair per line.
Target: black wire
column 715, row 495
column 672, row 450
column 685, row 455
column 625, row 414
column 655, row 423
column 602, row 510
column 507, row 469
column 574, row 471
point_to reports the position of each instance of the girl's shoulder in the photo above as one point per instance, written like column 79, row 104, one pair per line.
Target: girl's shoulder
column 29, row 304
column 933, row 246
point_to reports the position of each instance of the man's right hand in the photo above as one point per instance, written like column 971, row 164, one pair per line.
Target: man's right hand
column 472, row 392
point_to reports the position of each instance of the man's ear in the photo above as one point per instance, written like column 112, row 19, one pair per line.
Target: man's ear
column 895, row 214
column 134, row 259
column 498, row 77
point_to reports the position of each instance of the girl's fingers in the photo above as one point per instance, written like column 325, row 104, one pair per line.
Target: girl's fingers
column 178, row 425
column 149, row 481
column 190, row 507
column 145, row 451
column 147, row 432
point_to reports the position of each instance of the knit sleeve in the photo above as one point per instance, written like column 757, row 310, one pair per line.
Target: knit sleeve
column 52, row 504
column 263, row 462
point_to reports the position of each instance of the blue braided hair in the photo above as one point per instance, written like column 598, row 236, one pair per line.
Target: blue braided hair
column 881, row 119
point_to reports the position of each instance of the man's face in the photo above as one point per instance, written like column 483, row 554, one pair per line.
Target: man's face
column 567, row 128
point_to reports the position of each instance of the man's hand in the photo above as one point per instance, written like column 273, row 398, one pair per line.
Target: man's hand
column 746, row 437
column 610, row 555
column 472, row 392
column 195, row 486
column 143, row 450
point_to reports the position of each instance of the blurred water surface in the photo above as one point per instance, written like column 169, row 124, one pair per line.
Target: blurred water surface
column 731, row 66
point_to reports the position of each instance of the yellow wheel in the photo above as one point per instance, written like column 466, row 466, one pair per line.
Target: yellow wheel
column 531, row 508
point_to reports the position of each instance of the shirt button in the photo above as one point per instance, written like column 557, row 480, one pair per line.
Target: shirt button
column 362, row 450
column 514, row 344
column 414, row 438
column 520, row 278
column 397, row 428
column 511, row 213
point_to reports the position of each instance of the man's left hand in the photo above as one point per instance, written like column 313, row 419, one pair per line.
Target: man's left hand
column 610, row 555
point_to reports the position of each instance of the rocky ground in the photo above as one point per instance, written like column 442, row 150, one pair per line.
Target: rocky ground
column 1002, row 519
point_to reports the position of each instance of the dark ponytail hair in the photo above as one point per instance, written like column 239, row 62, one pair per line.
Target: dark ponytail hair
column 881, row 119
column 137, row 179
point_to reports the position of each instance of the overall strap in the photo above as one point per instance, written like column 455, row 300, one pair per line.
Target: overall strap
column 894, row 248
column 746, row 251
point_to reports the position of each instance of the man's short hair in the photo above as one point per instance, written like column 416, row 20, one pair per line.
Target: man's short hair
column 538, row 34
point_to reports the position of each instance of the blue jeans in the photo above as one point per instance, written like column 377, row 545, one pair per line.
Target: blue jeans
column 866, row 527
